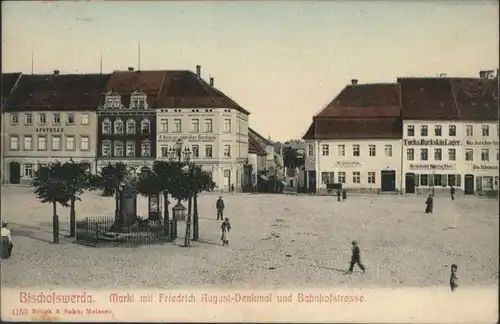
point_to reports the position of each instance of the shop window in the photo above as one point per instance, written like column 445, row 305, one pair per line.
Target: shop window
column 424, row 180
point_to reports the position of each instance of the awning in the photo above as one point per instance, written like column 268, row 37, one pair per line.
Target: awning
column 264, row 177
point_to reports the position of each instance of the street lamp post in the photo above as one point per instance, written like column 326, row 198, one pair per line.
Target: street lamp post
column 433, row 180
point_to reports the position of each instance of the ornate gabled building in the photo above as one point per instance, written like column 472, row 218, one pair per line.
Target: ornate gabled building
column 127, row 118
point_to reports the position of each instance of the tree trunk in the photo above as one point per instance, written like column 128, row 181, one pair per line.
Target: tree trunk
column 196, row 233
column 55, row 223
column 166, row 217
column 117, row 207
column 72, row 218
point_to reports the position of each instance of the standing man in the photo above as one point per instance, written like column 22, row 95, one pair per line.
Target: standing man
column 430, row 204
column 355, row 258
column 452, row 192
column 6, row 241
column 220, row 208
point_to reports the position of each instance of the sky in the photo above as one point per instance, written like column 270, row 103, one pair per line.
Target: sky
column 282, row 60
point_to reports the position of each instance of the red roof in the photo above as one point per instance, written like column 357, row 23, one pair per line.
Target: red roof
column 354, row 128
column 477, row 99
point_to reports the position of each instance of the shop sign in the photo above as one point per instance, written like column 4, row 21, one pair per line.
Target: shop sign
column 483, row 143
column 484, row 167
column 430, row 166
column 189, row 138
column 49, row 130
column 347, row 164
column 437, row 142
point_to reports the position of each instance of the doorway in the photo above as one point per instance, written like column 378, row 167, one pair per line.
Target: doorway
column 388, row 180
column 410, row 183
column 14, row 173
column 469, row 184
column 311, row 181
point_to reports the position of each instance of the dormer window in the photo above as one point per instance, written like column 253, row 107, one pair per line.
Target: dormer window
column 118, row 126
column 112, row 100
column 138, row 100
column 145, row 126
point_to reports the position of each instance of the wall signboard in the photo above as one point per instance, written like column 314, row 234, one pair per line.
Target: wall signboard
column 46, row 130
column 189, row 138
column 429, row 142
column 347, row 164
column 483, row 143
column 484, row 167
column 430, row 166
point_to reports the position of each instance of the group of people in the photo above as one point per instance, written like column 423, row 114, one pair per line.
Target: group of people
column 226, row 226
column 430, row 201
column 341, row 193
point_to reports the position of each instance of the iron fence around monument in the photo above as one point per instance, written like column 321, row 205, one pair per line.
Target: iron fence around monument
column 103, row 231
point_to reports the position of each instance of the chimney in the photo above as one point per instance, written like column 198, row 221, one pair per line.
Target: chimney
column 198, row 71
column 354, row 81
column 131, row 69
column 56, row 72
column 211, row 81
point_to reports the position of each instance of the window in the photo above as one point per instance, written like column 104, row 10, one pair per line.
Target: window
column 227, row 150
column 130, row 126
column 452, row 130
column 164, row 151
column 146, row 148
column 85, row 119
column 451, row 180
column 388, row 150
column 423, row 130
column 145, row 127
column 118, row 126
column 28, row 170
column 371, row 177
column 208, row 151
column 71, row 119
column 451, row 154
column 371, row 150
column 438, row 180
column 130, row 148
column 42, row 119
column 356, row 177
column 469, row 155
column 355, row 150
column 195, row 149
column 208, row 126
column 325, row 149
column 113, row 100
column 438, row 154
column 227, row 125
column 195, row 126
column 341, row 150
column 310, row 149
column 327, row 177
column 28, row 119
column 485, row 130
column 138, row 100
column 28, row 143
column 56, row 118
column 423, row 154
column 341, row 177
column 438, row 130
column 106, row 127
column 177, row 126
column 164, row 125
column 424, row 180
column 42, row 143
column 14, row 119
column 485, row 154
column 84, row 143
column 118, row 148
column 106, row 148
column 56, row 143
column 410, row 154
column 70, row 143
column 410, row 130
column 469, row 130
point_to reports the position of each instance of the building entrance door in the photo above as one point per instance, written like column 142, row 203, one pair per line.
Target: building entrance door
column 14, row 173
column 388, row 180
column 410, row 183
column 469, row 184
column 311, row 181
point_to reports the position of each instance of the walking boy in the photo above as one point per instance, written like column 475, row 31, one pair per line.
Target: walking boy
column 220, row 208
column 356, row 258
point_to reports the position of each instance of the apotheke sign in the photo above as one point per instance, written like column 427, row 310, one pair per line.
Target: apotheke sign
column 430, row 166
column 189, row 138
column 484, row 167
column 49, row 130
column 437, row 142
column 349, row 164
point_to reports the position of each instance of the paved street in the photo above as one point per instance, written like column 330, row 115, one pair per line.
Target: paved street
column 276, row 240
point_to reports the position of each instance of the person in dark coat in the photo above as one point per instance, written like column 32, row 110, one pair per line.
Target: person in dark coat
column 355, row 258
column 452, row 193
column 430, row 204
column 338, row 195
column 453, row 277
column 344, row 194
column 220, row 208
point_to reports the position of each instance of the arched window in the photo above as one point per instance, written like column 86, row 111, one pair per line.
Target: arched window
column 106, row 126
column 146, row 148
column 145, row 129
column 118, row 126
column 118, row 148
column 130, row 126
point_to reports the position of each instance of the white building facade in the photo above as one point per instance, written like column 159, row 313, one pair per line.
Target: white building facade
column 359, row 165
column 216, row 137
